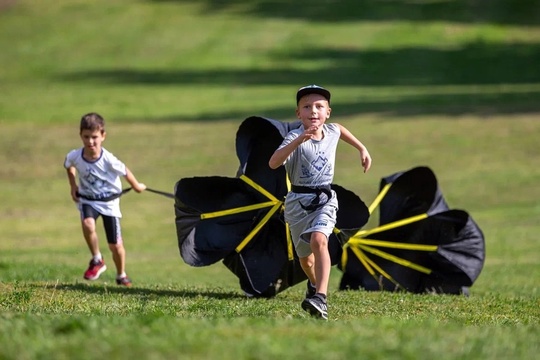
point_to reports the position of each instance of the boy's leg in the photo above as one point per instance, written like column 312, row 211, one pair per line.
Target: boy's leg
column 307, row 264
column 316, row 304
column 88, row 223
column 319, row 247
column 119, row 257
column 116, row 245
column 90, row 235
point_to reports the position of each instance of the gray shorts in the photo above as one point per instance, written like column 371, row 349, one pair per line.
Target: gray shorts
column 302, row 223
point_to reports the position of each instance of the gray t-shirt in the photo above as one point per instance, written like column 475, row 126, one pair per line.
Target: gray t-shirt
column 312, row 163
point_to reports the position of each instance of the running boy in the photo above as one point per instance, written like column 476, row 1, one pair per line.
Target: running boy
column 311, row 206
column 97, row 194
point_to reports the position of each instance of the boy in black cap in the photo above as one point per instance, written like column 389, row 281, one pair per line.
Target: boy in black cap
column 311, row 206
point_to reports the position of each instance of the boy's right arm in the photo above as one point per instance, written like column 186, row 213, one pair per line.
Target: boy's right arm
column 280, row 155
column 72, row 173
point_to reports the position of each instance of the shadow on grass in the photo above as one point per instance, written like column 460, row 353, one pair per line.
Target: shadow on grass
column 477, row 63
column 479, row 77
column 483, row 105
column 460, row 11
column 138, row 291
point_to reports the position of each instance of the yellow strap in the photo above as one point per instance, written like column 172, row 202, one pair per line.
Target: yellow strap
column 392, row 225
column 381, row 271
column 238, row 209
column 258, row 188
column 396, row 259
column 393, row 245
column 274, row 203
column 290, row 252
column 289, row 242
column 288, row 182
column 363, row 259
column 256, row 229
column 368, row 264
column 358, row 242
column 379, row 198
column 344, row 256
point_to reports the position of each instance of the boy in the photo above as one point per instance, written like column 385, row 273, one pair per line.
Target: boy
column 308, row 154
column 97, row 194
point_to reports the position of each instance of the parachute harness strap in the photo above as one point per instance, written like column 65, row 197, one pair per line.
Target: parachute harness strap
column 318, row 191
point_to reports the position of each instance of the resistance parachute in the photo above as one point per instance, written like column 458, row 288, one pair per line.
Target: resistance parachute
column 420, row 244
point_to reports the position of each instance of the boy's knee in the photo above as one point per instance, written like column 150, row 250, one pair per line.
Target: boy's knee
column 116, row 247
column 318, row 240
column 88, row 224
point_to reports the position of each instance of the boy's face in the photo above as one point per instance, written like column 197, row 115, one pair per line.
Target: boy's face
column 92, row 140
column 313, row 110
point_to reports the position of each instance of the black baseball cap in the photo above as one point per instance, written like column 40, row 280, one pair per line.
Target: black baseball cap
column 312, row 89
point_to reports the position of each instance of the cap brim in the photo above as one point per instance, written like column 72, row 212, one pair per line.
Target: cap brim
column 321, row 91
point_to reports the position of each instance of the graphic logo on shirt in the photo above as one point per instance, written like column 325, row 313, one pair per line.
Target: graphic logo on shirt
column 319, row 163
column 320, row 224
column 305, row 172
column 317, row 166
column 94, row 181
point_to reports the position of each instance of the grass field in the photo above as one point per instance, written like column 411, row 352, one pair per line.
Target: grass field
column 453, row 85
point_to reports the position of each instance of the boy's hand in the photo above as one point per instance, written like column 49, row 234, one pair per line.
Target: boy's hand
column 74, row 196
column 309, row 133
column 139, row 188
column 366, row 160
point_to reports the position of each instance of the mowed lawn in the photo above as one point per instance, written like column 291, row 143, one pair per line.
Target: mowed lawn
column 445, row 84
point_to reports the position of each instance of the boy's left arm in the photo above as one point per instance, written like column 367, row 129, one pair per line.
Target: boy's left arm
column 349, row 138
column 135, row 184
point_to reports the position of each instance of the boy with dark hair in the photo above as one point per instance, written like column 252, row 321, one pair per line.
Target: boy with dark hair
column 98, row 194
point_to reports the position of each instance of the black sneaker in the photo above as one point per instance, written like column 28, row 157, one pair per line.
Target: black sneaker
column 311, row 290
column 123, row 281
column 316, row 306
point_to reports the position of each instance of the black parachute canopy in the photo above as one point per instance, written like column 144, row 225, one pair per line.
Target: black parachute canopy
column 420, row 244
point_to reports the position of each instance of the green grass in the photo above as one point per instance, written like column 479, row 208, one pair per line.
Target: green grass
column 453, row 85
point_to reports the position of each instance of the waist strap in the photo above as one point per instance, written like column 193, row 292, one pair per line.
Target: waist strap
column 309, row 190
column 316, row 202
column 105, row 198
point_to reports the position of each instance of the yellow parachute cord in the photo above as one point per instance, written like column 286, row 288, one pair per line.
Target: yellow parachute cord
column 379, row 198
column 360, row 244
column 256, row 229
column 258, row 188
column 389, row 226
column 393, row 245
column 274, row 203
column 237, row 210
column 395, row 259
